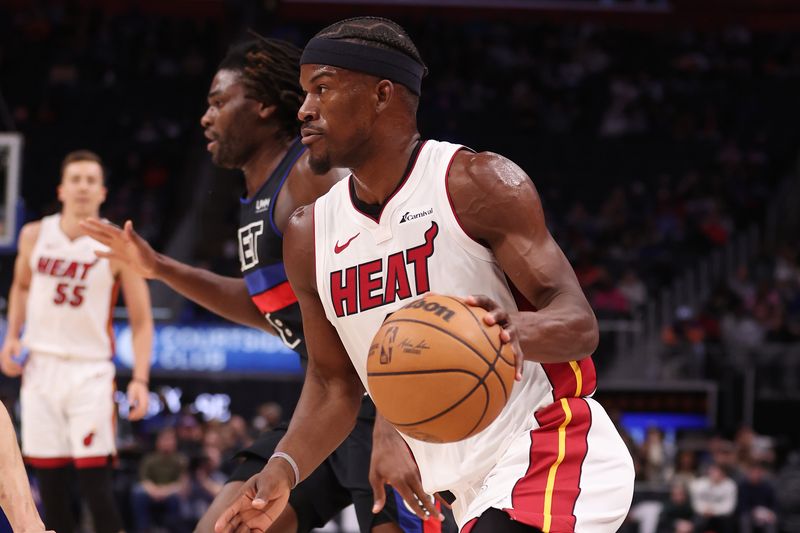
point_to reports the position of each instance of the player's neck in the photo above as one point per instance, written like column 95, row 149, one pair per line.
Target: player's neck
column 263, row 163
column 378, row 177
column 70, row 223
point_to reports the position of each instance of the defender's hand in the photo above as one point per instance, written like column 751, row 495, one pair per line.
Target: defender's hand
column 498, row 315
column 125, row 245
column 11, row 350
column 261, row 500
column 391, row 463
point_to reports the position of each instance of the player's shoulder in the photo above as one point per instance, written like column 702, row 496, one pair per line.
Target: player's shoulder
column 301, row 221
column 487, row 177
column 30, row 232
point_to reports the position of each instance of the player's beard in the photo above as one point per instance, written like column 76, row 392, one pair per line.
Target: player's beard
column 230, row 152
column 320, row 164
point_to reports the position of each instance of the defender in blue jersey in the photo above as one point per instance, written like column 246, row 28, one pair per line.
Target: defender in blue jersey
column 251, row 124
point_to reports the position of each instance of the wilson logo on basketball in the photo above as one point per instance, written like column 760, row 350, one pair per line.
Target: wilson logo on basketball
column 439, row 310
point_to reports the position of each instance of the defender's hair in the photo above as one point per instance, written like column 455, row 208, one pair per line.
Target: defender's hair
column 270, row 72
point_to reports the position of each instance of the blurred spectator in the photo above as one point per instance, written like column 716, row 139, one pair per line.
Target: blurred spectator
column 657, row 459
column 713, row 498
column 268, row 416
column 757, row 501
column 677, row 515
column 685, row 351
column 633, row 288
column 685, row 467
column 158, row 497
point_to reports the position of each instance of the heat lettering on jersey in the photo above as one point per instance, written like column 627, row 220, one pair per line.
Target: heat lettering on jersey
column 369, row 285
column 61, row 268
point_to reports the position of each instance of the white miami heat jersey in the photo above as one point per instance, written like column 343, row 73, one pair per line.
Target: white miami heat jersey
column 71, row 296
column 367, row 268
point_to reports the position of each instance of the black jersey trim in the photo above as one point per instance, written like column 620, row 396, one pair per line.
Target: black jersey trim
column 374, row 211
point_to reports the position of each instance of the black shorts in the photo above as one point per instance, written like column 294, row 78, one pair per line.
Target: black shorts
column 339, row 481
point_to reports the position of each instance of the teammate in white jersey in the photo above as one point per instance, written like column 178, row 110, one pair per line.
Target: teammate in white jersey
column 415, row 217
column 63, row 295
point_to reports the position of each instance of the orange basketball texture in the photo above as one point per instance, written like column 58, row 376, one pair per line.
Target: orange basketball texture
column 437, row 372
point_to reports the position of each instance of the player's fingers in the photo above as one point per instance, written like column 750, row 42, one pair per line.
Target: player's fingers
column 481, row 300
column 509, row 336
column 99, row 229
column 425, row 501
column 226, row 521
column 129, row 231
column 105, row 255
column 379, row 495
column 242, row 528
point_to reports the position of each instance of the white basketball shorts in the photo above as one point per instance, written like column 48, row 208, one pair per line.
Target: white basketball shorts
column 68, row 411
column 572, row 473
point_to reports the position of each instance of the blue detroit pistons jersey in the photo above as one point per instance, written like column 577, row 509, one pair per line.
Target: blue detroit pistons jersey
column 261, row 256
column 369, row 265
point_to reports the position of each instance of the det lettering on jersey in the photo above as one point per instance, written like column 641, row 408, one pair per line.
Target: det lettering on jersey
column 369, row 285
column 248, row 244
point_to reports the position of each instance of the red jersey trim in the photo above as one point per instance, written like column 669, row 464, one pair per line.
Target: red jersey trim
column 275, row 298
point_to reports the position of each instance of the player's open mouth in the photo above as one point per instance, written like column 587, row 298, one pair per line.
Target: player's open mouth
column 210, row 145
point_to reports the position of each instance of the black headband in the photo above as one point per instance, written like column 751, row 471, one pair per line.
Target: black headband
column 380, row 62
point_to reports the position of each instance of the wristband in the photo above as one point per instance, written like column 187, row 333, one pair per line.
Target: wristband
column 288, row 458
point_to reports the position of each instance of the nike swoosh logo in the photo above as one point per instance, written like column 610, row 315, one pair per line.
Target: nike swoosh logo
column 339, row 249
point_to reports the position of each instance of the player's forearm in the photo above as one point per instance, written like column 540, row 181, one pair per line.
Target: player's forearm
column 225, row 296
column 325, row 415
column 15, row 495
column 565, row 330
column 17, row 302
column 142, row 350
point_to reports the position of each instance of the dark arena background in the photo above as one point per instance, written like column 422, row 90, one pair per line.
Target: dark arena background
column 662, row 135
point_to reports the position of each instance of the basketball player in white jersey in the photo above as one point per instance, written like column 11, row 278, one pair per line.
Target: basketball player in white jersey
column 430, row 216
column 15, row 494
column 63, row 295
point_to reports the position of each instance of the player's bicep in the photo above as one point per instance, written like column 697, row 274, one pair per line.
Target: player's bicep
column 22, row 264
column 326, row 353
column 499, row 205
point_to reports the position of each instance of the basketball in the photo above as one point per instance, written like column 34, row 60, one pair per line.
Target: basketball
column 437, row 372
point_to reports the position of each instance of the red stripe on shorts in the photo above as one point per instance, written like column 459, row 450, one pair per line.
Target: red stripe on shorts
column 469, row 525
column 48, row 462
column 545, row 496
column 91, row 462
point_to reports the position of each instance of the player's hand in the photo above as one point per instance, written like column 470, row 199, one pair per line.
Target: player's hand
column 498, row 315
column 11, row 350
column 125, row 245
column 391, row 463
column 260, row 501
column 138, row 397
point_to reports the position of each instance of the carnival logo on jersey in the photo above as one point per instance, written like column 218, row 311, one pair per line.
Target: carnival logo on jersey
column 248, row 244
column 262, row 205
column 417, row 214
column 369, row 285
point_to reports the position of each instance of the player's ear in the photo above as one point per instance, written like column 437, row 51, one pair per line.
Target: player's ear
column 384, row 91
column 264, row 111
